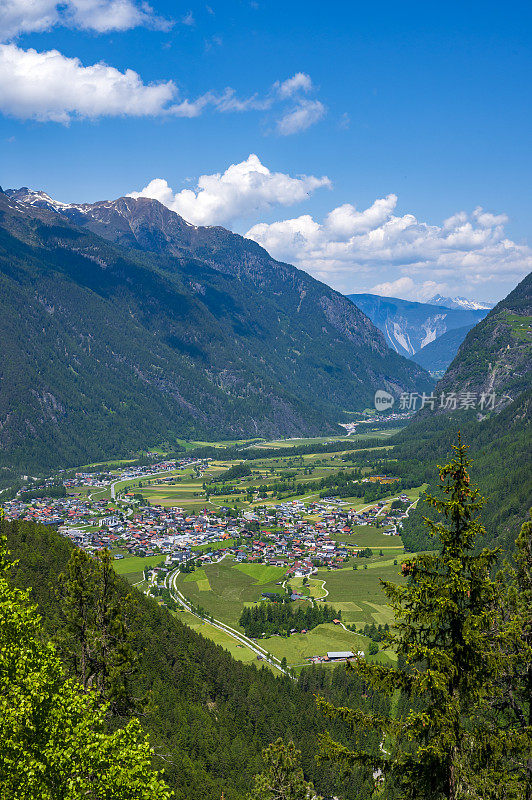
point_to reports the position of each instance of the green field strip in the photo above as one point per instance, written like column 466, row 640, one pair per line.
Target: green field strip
column 127, row 566
column 261, row 573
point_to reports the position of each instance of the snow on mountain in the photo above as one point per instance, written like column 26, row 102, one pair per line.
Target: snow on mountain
column 409, row 327
column 459, row 302
column 39, row 199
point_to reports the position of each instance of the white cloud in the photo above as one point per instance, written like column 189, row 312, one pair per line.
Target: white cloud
column 27, row 16
column 391, row 254
column 487, row 220
column 50, row 86
column 300, row 82
column 405, row 287
column 345, row 220
column 238, row 192
column 21, row 16
column 228, row 101
column 300, row 117
column 303, row 112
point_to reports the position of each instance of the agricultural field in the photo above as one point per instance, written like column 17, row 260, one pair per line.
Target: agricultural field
column 358, row 593
column 224, row 588
column 301, row 646
column 322, row 439
column 367, row 536
column 194, row 489
column 132, row 567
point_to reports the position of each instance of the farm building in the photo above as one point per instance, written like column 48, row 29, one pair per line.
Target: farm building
column 339, row 655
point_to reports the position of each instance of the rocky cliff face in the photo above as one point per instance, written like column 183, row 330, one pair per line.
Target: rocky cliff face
column 408, row 327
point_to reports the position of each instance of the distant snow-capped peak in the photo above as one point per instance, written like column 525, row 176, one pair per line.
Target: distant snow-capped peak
column 36, row 198
column 459, row 302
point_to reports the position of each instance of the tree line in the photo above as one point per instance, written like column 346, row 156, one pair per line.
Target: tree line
column 282, row 618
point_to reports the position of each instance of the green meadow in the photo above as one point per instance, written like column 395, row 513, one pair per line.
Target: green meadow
column 132, row 567
column 223, row 589
column 230, row 587
column 238, row 651
column 358, row 593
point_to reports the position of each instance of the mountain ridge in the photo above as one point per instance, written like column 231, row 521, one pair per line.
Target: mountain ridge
column 107, row 348
column 409, row 326
column 459, row 302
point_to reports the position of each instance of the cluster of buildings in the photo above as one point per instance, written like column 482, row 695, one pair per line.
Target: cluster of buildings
column 290, row 534
column 377, row 419
column 61, row 511
column 105, row 478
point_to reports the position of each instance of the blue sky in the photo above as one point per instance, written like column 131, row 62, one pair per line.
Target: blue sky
column 416, row 113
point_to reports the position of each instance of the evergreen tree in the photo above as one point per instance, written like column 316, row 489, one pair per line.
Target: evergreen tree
column 443, row 637
column 94, row 637
column 520, row 697
column 505, row 743
column 283, row 777
column 53, row 742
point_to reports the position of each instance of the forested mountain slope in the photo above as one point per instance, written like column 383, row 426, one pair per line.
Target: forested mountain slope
column 163, row 330
column 496, row 355
column 410, row 326
column 207, row 715
column 437, row 355
column 494, row 360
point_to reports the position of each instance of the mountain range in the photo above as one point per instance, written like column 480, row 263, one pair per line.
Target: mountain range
column 487, row 393
column 409, row 327
column 121, row 325
column 459, row 302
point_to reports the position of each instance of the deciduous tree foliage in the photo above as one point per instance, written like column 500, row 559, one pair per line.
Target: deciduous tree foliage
column 283, row 777
column 53, row 742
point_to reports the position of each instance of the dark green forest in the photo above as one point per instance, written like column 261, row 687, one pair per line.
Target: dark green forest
column 271, row 618
column 108, row 347
column 207, row 715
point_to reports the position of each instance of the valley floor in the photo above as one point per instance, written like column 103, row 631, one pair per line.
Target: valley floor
column 212, row 536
